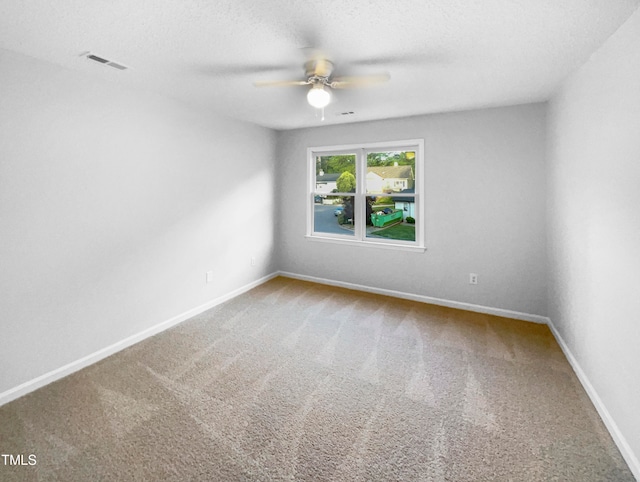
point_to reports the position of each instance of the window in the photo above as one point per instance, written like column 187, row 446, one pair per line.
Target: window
column 367, row 194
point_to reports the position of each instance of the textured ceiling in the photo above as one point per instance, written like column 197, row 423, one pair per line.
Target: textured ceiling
column 442, row 55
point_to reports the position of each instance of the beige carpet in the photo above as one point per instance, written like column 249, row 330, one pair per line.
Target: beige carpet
column 298, row 381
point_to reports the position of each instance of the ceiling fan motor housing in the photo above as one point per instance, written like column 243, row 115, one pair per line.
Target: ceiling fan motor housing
column 318, row 68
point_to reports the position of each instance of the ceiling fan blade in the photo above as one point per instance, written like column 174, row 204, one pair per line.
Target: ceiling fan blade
column 351, row 82
column 239, row 69
column 279, row 83
column 403, row 60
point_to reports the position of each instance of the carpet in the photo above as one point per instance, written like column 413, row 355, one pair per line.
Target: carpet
column 300, row 381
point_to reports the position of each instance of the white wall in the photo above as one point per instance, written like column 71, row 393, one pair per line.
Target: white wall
column 113, row 205
column 594, row 224
column 485, row 209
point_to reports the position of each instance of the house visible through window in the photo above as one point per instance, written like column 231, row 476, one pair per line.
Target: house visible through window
column 369, row 194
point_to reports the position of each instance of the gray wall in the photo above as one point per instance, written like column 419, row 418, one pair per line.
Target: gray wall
column 594, row 223
column 113, row 205
column 485, row 209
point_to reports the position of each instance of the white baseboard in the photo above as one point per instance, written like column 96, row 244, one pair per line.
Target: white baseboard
column 52, row 376
column 612, row 426
column 423, row 299
column 619, row 439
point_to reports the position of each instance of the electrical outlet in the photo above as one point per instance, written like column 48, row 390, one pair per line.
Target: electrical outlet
column 209, row 276
column 473, row 279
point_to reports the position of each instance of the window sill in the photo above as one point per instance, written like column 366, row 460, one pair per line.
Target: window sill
column 367, row 244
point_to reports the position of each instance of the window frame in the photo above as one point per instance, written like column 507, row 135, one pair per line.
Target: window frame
column 359, row 238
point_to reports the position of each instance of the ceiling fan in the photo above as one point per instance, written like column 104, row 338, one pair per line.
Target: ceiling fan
column 318, row 72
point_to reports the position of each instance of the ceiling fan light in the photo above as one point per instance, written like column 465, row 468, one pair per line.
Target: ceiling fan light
column 318, row 97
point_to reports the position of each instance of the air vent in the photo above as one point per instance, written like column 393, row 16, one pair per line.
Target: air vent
column 108, row 62
column 97, row 59
column 346, row 113
column 117, row 66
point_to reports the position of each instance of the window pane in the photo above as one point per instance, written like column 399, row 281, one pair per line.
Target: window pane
column 391, row 217
column 336, row 173
column 391, row 172
column 333, row 214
